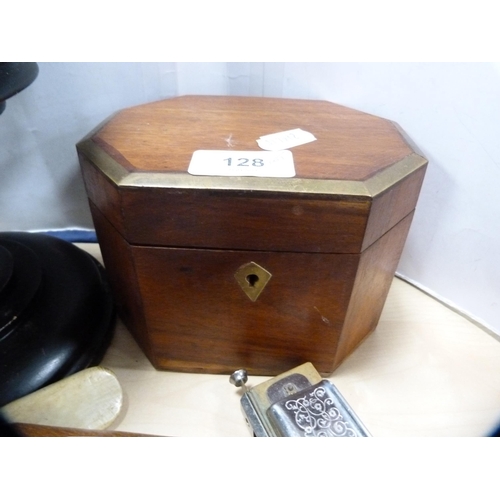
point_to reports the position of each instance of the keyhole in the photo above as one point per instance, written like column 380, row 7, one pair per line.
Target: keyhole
column 252, row 279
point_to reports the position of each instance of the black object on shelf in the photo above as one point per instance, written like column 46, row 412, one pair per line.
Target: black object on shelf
column 56, row 309
column 56, row 312
column 14, row 77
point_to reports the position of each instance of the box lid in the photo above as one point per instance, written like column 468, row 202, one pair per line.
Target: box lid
column 358, row 179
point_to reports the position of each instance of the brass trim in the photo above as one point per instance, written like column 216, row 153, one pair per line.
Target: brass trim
column 108, row 166
column 252, row 287
column 371, row 187
column 386, row 178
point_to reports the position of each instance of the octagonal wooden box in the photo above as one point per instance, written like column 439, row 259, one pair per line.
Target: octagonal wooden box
column 184, row 253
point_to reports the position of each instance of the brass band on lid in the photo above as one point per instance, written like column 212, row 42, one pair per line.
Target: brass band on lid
column 370, row 187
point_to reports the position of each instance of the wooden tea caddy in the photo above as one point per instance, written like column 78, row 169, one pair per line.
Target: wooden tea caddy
column 184, row 253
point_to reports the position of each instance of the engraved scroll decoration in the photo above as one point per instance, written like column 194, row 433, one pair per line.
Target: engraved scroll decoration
column 317, row 416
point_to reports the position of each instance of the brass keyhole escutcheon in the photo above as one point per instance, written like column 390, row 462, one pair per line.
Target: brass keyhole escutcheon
column 252, row 279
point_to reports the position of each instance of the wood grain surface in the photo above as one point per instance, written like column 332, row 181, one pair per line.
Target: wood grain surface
column 162, row 136
column 172, row 252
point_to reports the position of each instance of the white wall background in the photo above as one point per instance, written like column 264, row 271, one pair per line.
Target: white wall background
column 451, row 111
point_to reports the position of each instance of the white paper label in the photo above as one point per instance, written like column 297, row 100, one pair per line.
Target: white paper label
column 285, row 140
column 242, row 163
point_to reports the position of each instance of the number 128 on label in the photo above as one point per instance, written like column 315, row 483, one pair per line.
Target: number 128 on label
column 242, row 163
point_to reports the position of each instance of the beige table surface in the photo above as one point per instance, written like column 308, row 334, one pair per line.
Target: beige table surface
column 425, row 371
